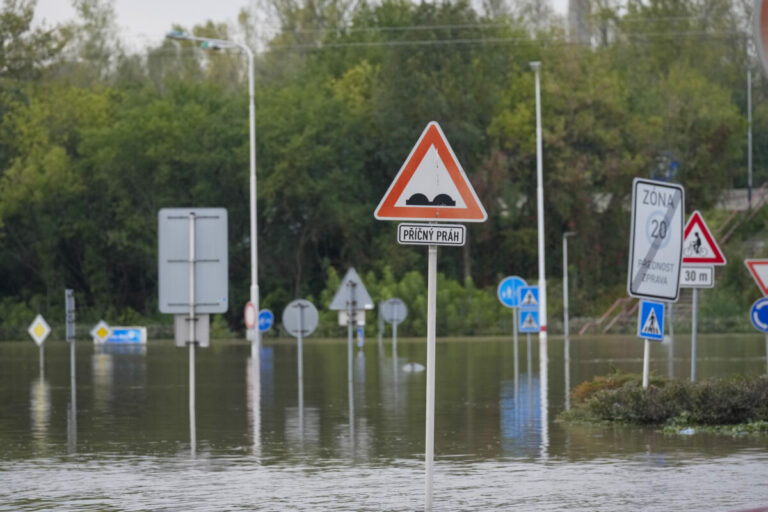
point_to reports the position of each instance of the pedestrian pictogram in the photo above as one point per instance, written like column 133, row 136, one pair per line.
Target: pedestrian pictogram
column 699, row 246
column 529, row 296
column 529, row 321
column 431, row 185
column 759, row 271
column 650, row 322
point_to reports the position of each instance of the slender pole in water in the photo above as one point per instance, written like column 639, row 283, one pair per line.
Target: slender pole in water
column 693, row 333
column 191, row 341
column 517, row 365
column 431, row 321
column 567, row 373
column 73, row 399
column 646, row 362
column 42, row 362
column 529, row 354
column 671, row 355
column 301, row 371
column 536, row 67
column 351, row 392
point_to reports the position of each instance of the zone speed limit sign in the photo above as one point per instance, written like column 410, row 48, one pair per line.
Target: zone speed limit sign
column 656, row 240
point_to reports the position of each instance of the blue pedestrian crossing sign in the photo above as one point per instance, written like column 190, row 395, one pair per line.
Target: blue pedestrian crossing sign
column 650, row 320
column 509, row 290
column 528, row 320
column 759, row 314
column 529, row 297
column 266, row 319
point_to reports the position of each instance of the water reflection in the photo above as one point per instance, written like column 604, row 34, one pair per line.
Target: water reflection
column 40, row 411
column 520, row 413
column 567, row 371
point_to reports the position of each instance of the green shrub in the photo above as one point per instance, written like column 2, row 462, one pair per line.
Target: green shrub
column 712, row 402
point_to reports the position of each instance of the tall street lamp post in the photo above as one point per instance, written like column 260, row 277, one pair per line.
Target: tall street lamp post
column 536, row 67
column 217, row 44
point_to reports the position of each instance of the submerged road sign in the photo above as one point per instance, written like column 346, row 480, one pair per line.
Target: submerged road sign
column 699, row 246
column 100, row 332
column 656, row 240
column 300, row 318
column 431, row 185
column 759, row 271
column 529, row 320
column 351, row 294
column 529, row 297
column 393, row 310
column 759, row 314
column 509, row 291
column 39, row 329
column 650, row 320
column 697, row 277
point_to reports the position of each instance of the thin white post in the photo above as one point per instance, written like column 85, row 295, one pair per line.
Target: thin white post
column 749, row 137
column 431, row 330
column 646, row 362
column 695, row 305
column 191, row 334
column 516, row 350
column 565, row 285
column 536, row 67
column 42, row 362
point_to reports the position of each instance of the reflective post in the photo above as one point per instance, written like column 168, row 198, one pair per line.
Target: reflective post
column 191, row 331
column 300, row 357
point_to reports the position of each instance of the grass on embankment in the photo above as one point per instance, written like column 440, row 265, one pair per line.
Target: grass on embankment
column 736, row 406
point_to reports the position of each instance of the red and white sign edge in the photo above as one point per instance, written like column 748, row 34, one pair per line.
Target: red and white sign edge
column 759, row 270
column 717, row 258
column 431, row 136
column 250, row 315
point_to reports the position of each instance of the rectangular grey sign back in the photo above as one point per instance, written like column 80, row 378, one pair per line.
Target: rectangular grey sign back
column 211, row 260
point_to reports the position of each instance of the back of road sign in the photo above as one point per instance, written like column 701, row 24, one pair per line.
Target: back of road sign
column 352, row 290
column 650, row 320
column 431, row 185
column 656, row 240
column 699, row 246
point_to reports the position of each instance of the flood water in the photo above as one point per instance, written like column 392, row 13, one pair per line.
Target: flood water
column 261, row 446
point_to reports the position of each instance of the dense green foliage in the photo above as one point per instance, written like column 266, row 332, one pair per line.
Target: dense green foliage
column 621, row 398
column 95, row 139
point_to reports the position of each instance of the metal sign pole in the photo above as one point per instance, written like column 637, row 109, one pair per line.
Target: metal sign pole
column 350, row 390
column 516, row 349
column 431, row 330
column 191, row 330
column 646, row 362
column 671, row 355
column 529, row 353
column 300, row 355
column 695, row 304
column 69, row 306
column 42, row 362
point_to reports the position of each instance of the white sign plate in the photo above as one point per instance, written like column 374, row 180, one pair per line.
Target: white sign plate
column 696, row 276
column 656, row 240
column 431, row 234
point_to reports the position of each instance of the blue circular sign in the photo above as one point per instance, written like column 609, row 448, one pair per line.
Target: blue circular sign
column 509, row 289
column 266, row 319
column 759, row 314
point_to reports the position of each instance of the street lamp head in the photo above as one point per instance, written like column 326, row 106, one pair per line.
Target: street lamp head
column 536, row 65
column 177, row 34
column 570, row 233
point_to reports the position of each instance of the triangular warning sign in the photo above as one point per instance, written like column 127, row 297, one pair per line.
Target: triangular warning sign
column 651, row 325
column 431, row 185
column 699, row 246
column 529, row 299
column 351, row 293
column 759, row 271
column 529, row 322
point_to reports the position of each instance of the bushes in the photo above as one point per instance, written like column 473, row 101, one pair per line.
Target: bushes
column 621, row 398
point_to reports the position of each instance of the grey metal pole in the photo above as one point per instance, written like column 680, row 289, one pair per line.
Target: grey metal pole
column 529, row 354
column 671, row 354
column 536, row 67
column 42, row 362
column 191, row 333
column 517, row 366
column 749, row 137
column 350, row 329
column 431, row 340
column 695, row 308
column 565, row 285
column 300, row 357
column 567, row 373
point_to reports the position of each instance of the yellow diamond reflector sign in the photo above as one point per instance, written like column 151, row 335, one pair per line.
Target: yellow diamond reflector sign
column 39, row 329
column 100, row 332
